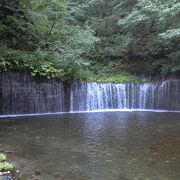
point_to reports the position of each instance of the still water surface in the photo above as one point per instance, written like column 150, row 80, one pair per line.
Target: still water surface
column 95, row 146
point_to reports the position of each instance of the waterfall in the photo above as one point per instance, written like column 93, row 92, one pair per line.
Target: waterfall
column 102, row 96
column 23, row 94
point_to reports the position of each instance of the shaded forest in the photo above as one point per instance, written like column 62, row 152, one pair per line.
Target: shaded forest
column 97, row 40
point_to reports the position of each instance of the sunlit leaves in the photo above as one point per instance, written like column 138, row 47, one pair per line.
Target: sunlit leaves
column 170, row 34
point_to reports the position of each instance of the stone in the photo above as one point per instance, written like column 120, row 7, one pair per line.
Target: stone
column 37, row 172
column 8, row 177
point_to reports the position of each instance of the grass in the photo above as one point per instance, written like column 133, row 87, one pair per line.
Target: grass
column 112, row 77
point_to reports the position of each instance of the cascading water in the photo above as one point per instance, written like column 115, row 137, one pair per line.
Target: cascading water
column 22, row 94
column 96, row 96
column 100, row 96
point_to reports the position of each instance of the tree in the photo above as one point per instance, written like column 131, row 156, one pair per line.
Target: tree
column 140, row 36
column 63, row 42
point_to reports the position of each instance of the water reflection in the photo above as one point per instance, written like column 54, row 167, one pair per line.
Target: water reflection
column 97, row 146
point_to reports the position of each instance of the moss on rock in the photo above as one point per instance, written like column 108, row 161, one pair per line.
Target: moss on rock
column 2, row 157
column 5, row 167
column 109, row 77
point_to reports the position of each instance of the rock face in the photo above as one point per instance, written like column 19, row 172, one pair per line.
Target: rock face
column 23, row 94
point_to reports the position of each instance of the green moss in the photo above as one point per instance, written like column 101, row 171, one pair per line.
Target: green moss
column 5, row 166
column 2, row 157
column 105, row 77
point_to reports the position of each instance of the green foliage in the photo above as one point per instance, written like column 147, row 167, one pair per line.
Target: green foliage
column 116, row 77
column 16, row 27
column 168, row 65
column 2, row 157
column 3, row 28
column 5, row 167
column 62, row 47
column 37, row 62
column 171, row 34
column 79, row 40
column 146, row 38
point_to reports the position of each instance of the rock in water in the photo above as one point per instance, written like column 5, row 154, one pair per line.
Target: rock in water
column 6, row 178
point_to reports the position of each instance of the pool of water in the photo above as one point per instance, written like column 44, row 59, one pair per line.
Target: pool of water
column 94, row 146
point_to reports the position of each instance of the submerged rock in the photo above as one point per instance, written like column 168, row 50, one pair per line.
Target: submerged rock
column 37, row 172
column 6, row 177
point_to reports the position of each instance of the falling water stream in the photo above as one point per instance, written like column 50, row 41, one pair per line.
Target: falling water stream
column 22, row 94
column 100, row 96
